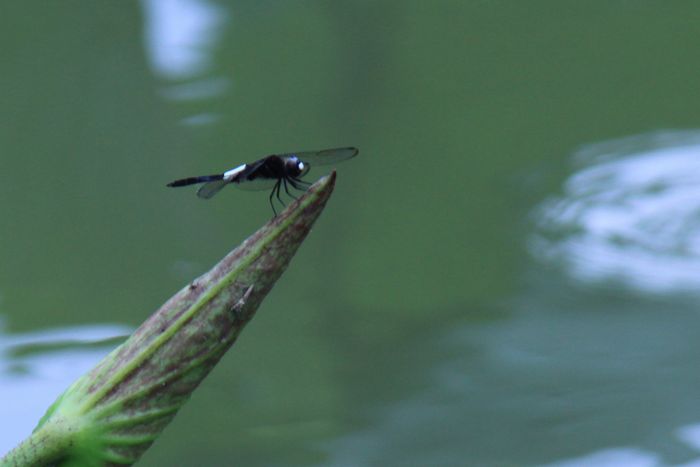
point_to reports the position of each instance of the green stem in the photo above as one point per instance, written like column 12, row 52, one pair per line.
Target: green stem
column 112, row 414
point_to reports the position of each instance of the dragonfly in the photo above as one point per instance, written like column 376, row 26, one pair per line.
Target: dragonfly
column 275, row 171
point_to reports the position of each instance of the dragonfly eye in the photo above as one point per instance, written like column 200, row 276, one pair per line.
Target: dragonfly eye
column 303, row 168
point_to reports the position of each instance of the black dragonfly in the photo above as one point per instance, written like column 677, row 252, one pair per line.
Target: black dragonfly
column 274, row 171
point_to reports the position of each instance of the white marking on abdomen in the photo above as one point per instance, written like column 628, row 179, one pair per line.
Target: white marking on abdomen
column 231, row 174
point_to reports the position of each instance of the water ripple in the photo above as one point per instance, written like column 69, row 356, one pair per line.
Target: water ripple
column 630, row 212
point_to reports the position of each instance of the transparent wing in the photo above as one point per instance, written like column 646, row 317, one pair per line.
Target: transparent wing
column 325, row 156
column 209, row 189
column 258, row 184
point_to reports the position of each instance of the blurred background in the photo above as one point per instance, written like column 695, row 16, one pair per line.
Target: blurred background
column 507, row 275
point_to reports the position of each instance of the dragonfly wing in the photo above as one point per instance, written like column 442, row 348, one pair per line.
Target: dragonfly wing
column 209, row 189
column 325, row 156
column 257, row 184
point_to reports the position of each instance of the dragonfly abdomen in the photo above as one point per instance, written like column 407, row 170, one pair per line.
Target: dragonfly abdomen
column 193, row 180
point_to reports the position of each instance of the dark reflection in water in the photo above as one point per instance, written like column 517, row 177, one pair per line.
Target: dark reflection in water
column 631, row 212
column 594, row 362
column 36, row 367
column 569, row 374
column 621, row 343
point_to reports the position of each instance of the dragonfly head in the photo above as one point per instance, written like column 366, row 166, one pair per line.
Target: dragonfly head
column 296, row 168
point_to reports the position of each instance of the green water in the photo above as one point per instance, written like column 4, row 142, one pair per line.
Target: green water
column 420, row 324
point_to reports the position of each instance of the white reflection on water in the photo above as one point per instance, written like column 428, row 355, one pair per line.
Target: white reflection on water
column 180, row 35
column 630, row 212
column 621, row 457
column 627, row 457
column 36, row 367
column 690, row 435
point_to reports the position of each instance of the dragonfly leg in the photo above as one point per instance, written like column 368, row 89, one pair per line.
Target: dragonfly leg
column 295, row 183
column 272, row 205
column 278, row 186
column 286, row 189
